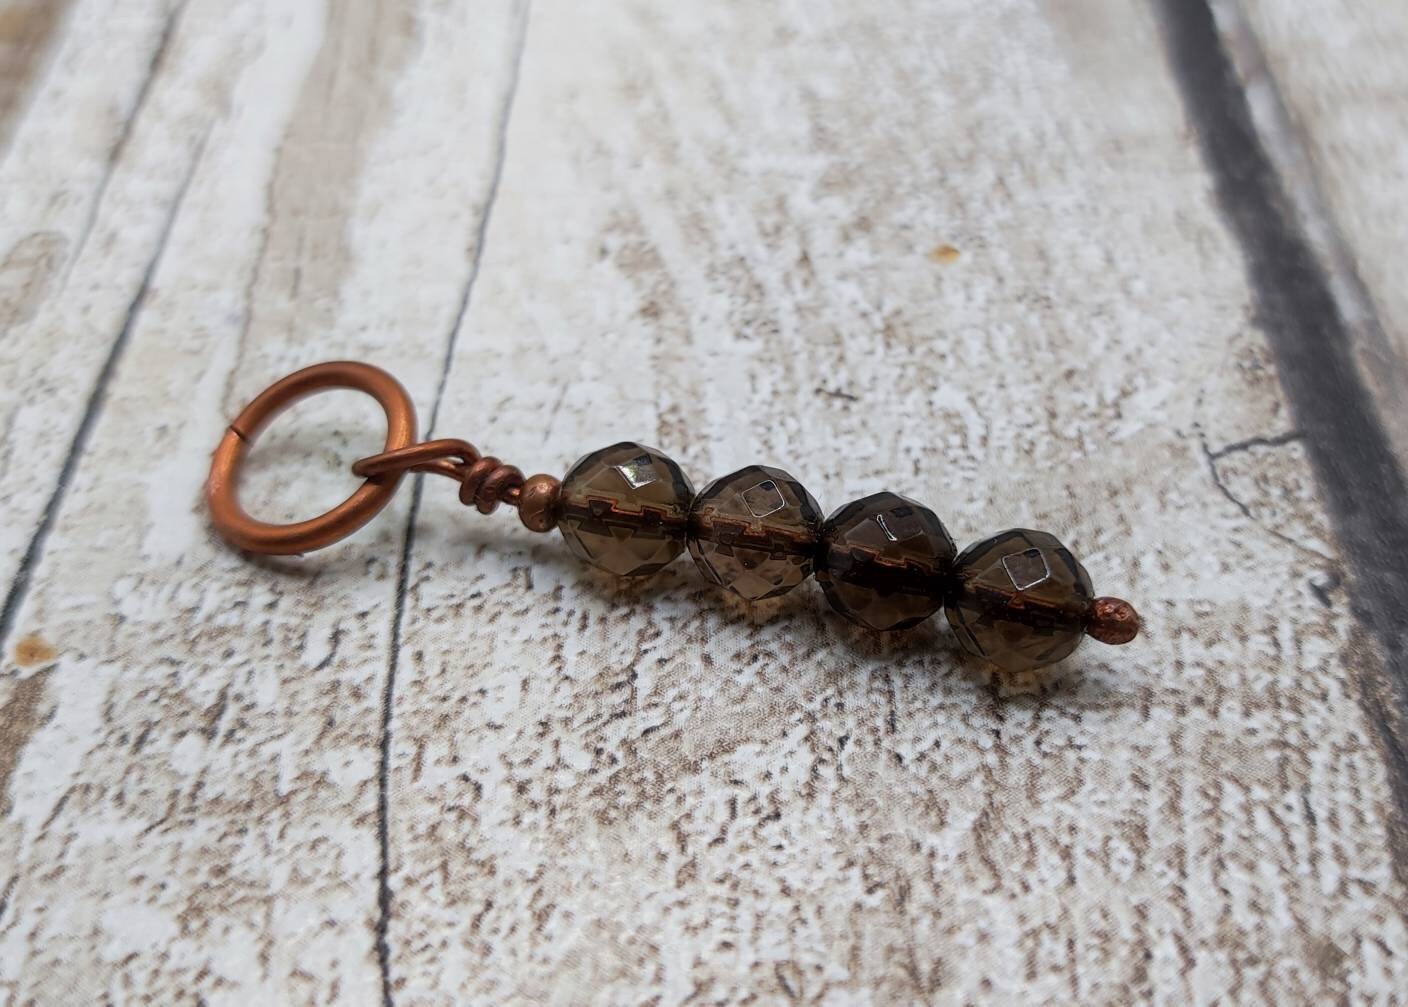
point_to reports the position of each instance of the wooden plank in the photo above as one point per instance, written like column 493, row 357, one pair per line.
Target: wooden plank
column 978, row 260
column 1331, row 352
column 192, row 739
column 1333, row 106
column 72, row 104
column 27, row 28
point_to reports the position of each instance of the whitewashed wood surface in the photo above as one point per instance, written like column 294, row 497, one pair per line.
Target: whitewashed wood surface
column 996, row 256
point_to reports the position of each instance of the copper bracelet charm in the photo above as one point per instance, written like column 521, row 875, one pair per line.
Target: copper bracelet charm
column 1019, row 599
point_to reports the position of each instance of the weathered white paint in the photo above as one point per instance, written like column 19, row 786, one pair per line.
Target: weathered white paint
column 205, row 791
column 1328, row 91
column 723, row 229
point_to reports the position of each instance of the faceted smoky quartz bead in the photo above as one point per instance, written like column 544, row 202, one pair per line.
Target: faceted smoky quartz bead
column 625, row 509
column 885, row 561
column 1019, row 599
column 755, row 532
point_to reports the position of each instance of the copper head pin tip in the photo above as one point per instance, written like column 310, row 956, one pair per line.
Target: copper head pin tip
column 1112, row 620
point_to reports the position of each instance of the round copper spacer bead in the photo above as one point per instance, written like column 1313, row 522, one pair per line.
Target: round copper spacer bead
column 1112, row 620
column 537, row 502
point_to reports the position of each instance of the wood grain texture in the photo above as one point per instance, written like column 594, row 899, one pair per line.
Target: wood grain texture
column 67, row 277
column 26, row 31
column 1343, row 92
column 974, row 259
column 652, row 793
column 193, row 810
column 1327, row 339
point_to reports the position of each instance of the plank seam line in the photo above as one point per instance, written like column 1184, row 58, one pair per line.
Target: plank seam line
column 383, row 921
column 119, row 147
column 93, row 409
column 1312, row 343
column 1289, row 152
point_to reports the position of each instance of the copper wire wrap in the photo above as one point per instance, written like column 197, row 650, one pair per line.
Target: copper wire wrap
column 484, row 480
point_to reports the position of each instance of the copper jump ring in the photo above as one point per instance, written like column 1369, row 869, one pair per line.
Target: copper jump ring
column 231, row 520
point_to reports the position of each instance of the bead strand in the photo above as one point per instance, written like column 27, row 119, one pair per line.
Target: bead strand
column 1019, row 599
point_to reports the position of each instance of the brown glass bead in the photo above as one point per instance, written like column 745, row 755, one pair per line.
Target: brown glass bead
column 755, row 532
column 625, row 509
column 885, row 561
column 1019, row 599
